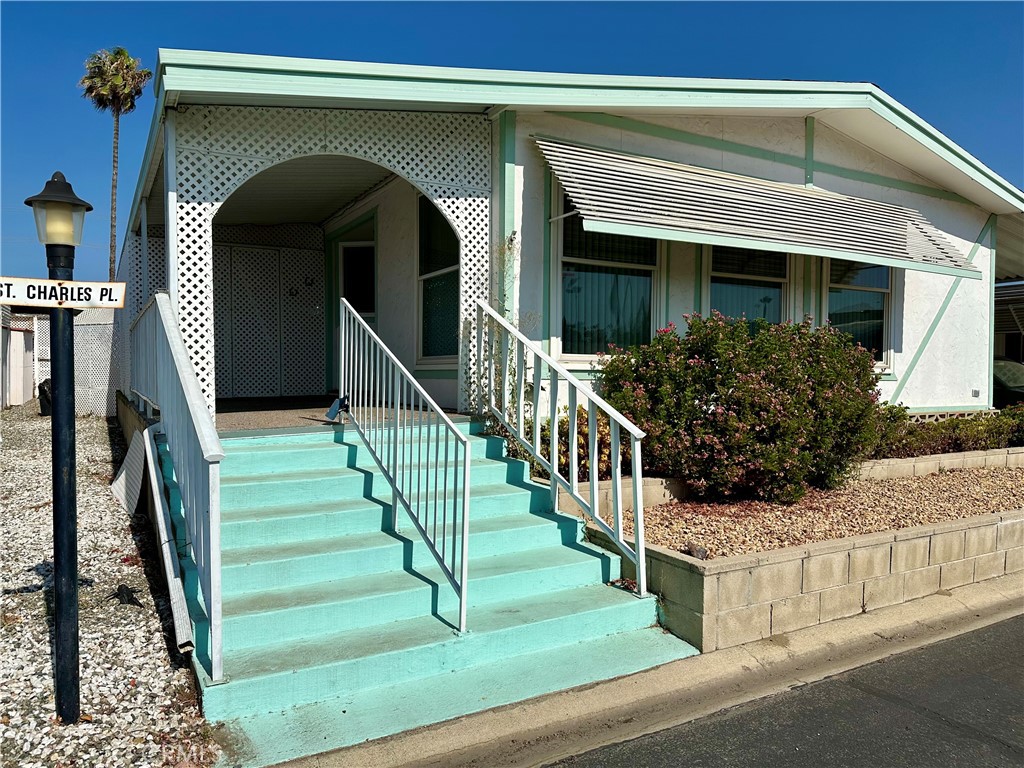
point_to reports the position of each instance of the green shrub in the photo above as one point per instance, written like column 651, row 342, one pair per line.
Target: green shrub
column 900, row 438
column 740, row 409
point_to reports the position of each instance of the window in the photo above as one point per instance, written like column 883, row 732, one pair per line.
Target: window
column 607, row 288
column 438, row 283
column 858, row 302
column 748, row 283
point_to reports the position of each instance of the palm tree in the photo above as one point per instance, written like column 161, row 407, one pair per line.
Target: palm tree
column 113, row 81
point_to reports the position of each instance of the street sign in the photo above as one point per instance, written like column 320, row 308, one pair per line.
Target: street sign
column 66, row 294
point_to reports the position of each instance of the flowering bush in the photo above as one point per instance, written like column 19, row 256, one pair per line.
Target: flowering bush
column 747, row 410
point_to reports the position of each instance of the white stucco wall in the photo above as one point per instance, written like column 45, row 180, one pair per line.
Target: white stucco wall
column 954, row 363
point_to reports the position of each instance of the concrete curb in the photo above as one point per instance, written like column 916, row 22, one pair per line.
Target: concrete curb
column 562, row 724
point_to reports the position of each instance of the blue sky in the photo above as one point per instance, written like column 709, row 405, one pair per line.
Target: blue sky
column 957, row 65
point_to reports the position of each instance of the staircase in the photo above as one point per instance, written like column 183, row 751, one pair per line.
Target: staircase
column 337, row 629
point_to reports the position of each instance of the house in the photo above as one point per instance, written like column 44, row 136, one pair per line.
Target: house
column 420, row 240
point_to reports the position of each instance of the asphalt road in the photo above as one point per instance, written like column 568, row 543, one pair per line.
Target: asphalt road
column 959, row 702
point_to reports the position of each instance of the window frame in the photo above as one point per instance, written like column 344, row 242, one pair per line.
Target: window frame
column 789, row 292
column 433, row 362
column 657, row 270
column 885, row 365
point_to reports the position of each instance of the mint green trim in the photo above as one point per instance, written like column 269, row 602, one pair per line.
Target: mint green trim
column 888, row 377
column 887, row 181
column 808, row 288
column 331, row 273
column 809, row 150
column 507, row 190
column 680, row 136
column 992, row 313
column 693, row 236
column 698, row 280
column 436, row 373
column 546, row 281
column 989, row 225
column 584, row 375
column 736, row 148
column 666, row 274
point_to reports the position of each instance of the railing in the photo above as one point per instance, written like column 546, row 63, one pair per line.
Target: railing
column 163, row 376
column 424, row 457
column 511, row 374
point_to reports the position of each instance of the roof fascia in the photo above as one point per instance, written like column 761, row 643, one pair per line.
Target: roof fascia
column 153, row 143
column 903, row 118
column 242, row 75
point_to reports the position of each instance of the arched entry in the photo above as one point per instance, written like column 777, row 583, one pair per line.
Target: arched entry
column 294, row 238
column 215, row 150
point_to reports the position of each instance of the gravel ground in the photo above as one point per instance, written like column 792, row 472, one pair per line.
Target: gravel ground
column 862, row 506
column 138, row 699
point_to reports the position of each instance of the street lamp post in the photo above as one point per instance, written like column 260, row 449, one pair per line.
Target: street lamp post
column 60, row 214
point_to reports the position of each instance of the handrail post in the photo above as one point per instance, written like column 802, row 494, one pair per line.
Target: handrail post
column 553, row 416
column 638, row 518
column 527, row 350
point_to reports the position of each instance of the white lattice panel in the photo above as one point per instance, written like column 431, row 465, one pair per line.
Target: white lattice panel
column 255, row 323
column 222, row 324
column 95, row 364
column 447, row 156
column 302, row 322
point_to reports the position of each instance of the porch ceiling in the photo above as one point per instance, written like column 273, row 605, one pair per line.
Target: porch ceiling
column 307, row 189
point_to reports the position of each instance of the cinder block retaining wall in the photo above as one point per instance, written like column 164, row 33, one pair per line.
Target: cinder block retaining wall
column 887, row 469
column 732, row 600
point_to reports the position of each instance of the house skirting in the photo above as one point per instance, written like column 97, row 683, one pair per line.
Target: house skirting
column 728, row 601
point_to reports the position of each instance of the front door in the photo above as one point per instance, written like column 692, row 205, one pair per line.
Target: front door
column 357, row 282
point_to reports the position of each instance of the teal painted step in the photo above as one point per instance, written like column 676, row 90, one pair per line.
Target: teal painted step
column 335, row 517
column 245, row 569
column 252, row 457
column 333, row 665
column 376, row 599
column 337, row 630
column 317, row 485
column 372, row 713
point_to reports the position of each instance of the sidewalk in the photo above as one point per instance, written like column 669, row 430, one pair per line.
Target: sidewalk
column 563, row 724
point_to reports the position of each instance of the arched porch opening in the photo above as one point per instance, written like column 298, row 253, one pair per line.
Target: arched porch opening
column 293, row 239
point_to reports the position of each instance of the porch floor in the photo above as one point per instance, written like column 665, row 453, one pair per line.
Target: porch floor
column 243, row 414
column 248, row 413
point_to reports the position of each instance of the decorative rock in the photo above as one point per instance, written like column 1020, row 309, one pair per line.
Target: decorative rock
column 132, row 725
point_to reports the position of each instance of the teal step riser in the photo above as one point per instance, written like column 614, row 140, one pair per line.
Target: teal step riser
column 350, row 484
column 311, row 682
column 293, row 528
column 419, row 599
column 247, row 463
column 391, row 555
column 240, row 530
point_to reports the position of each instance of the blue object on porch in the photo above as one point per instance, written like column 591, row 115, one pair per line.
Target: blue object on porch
column 337, row 629
column 339, row 405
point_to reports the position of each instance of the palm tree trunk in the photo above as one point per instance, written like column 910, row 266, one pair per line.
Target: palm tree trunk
column 113, row 199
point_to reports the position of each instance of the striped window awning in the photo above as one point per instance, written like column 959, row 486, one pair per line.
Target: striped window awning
column 625, row 194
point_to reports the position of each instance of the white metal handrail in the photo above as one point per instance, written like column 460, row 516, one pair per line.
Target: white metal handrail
column 423, row 455
column 505, row 356
column 162, row 374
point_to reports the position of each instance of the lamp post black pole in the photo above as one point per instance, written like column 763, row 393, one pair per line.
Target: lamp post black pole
column 60, row 260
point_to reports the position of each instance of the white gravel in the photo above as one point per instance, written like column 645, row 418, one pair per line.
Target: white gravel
column 137, row 695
